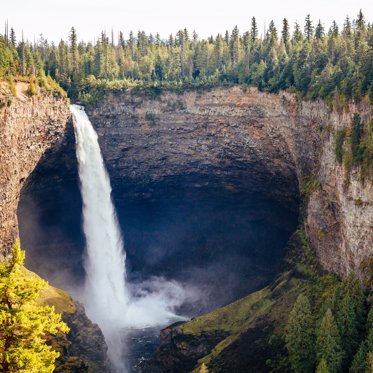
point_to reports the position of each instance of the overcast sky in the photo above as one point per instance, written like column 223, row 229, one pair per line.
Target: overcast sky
column 54, row 18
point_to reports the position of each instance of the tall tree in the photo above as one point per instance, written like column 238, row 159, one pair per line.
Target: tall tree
column 254, row 30
column 23, row 324
column 300, row 336
column 328, row 343
column 308, row 28
column 285, row 32
column 319, row 32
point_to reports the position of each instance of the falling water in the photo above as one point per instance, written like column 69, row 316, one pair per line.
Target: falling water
column 105, row 295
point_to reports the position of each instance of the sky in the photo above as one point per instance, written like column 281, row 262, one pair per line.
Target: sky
column 54, row 18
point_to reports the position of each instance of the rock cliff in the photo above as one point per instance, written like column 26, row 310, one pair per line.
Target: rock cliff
column 222, row 143
column 28, row 128
column 245, row 140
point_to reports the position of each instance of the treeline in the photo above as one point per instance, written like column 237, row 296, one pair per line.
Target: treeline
column 331, row 331
column 311, row 60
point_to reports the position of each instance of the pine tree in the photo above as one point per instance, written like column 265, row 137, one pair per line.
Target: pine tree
column 357, row 130
column 74, row 48
column 328, row 343
column 13, row 40
column 360, row 22
column 300, row 336
column 308, row 28
column 360, row 362
column 23, row 324
column 285, row 32
column 322, row 367
column 234, row 46
column 348, row 326
column 254, row 30
column 347, row 30
column 297, row 35
column 272, row 33
column 319, row 32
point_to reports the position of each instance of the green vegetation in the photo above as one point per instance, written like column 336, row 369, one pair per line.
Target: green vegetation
column 31, row 90
column 307, row 321
column 333, row 64
column 354, row 147
column 25, row 326
column 342, row 328
column 300, row 336
column 309, row 184
column 340, row 136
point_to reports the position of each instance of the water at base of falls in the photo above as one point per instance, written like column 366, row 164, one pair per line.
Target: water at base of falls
column 111, row 303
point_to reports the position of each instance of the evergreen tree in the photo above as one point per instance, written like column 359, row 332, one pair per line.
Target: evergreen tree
column 308, row 28
column 322, row 367
column 285, row 32
column 360, row 362
column 360, row 23
column 300, row 336
column 357, row 130
column 319, row 32
column 23, row 324
column 254, row 30
column 272, row 33
column 297, row 35
column 328, row 343
column 234, row 46
column 12, row 40
column 348, row 327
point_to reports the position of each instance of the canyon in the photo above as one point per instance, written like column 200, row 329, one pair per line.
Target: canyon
column 211, row 182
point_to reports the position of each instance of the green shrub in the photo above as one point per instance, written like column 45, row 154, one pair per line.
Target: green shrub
column 31, row 90
column 340, row 136
column 356, row 134
column 12, row 85
column 310, row 184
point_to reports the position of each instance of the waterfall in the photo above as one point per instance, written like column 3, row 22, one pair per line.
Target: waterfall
column 105, row 294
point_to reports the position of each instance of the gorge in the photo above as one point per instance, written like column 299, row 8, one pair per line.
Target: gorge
column 209, row 186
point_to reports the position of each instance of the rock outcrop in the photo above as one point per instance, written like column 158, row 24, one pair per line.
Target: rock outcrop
column 83, row 349
column 28, row 128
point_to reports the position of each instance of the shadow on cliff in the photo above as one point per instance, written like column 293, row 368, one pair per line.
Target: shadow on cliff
column 225, row 242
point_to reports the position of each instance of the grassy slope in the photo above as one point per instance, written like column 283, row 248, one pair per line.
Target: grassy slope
column 259, row 317
column 51, row 296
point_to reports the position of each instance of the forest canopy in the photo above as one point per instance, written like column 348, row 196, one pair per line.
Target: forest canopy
column 314, row 61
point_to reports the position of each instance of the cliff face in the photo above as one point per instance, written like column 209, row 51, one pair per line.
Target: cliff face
column 235, row 140
column 30, row 130
column 27, row 129
column 244, row 140
column 339, row 214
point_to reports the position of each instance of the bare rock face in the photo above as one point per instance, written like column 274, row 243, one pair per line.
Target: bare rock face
column 27, row 129
column 235, row 140
column 278, row 142
column 339, row 215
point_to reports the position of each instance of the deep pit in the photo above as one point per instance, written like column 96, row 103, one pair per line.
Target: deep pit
column 220, row 230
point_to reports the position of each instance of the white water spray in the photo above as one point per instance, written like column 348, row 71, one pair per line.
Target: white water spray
column 106, row 296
